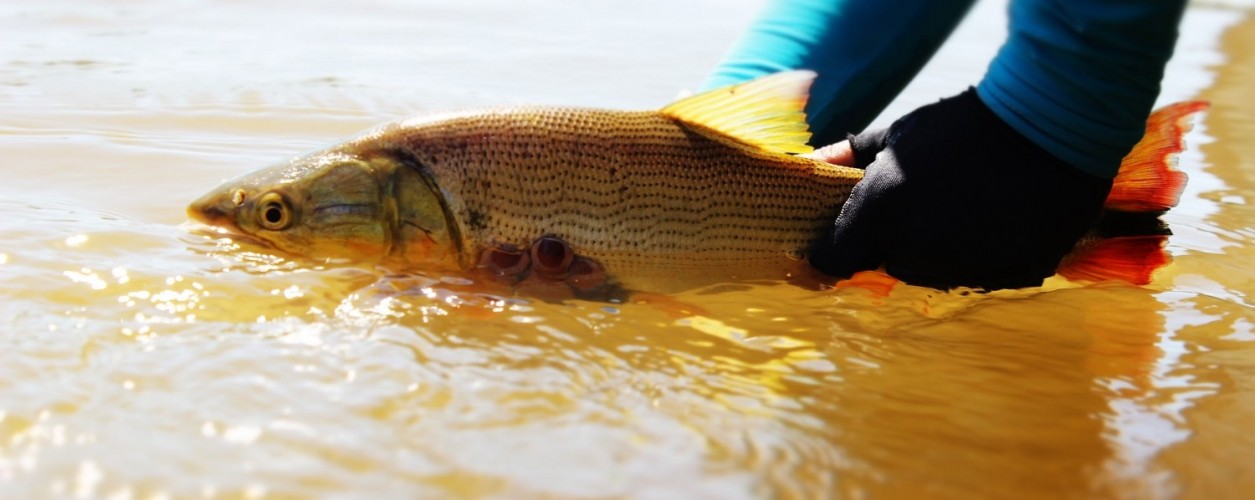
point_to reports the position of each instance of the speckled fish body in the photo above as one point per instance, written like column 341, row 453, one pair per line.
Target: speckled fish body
column 649, row 197
column 702, row 191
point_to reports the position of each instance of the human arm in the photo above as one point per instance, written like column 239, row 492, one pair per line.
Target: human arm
column 994, row 192
column 864, row 51
column 1072, row 86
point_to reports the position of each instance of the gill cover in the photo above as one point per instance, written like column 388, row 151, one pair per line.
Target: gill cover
column 421, row 228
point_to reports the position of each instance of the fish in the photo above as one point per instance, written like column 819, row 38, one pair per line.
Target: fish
column 713, row 188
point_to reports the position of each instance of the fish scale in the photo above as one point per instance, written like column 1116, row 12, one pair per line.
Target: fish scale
column 649, row 197
column 705, row 190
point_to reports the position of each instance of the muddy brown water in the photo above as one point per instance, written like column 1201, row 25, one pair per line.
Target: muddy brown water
column 139, row 359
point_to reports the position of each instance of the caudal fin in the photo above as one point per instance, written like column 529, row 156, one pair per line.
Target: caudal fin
column 1131, row 259
column 1129, row 244
column 1148, row 180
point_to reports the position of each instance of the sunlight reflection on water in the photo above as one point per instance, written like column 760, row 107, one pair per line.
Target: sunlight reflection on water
column 140, row 357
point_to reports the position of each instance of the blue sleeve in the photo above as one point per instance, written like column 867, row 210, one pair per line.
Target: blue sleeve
column 865, row 52
column 1079, row 78
column 1076, row 78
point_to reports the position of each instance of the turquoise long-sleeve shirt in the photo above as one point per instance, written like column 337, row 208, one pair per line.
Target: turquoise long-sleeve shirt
column 1077, row 78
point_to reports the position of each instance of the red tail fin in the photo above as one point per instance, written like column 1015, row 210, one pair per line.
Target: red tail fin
column 1131, row 259
column 1147, row 183
column 1148, row 180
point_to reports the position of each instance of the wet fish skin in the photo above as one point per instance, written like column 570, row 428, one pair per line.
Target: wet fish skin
column 661, row 200
column 704, row 190
column 645, row 195
column 654, row 201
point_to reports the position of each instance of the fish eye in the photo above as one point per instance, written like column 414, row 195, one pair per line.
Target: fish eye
column 273, row 212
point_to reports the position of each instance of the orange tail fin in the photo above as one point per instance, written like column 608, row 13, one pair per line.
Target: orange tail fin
column 1131, row 259
column 1147, row 185
column 1148, row 180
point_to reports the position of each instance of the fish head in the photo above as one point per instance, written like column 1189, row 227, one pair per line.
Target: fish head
column 336, row 205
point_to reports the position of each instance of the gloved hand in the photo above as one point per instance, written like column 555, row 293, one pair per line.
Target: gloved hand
column 953, row 196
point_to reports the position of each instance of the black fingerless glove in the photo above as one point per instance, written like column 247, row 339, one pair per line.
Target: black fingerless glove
column 953, row 196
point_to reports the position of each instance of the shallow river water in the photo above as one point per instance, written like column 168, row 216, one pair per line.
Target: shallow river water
column 139, row 358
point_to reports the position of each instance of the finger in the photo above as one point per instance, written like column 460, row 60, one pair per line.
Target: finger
column 836, row 154
column 854, row 244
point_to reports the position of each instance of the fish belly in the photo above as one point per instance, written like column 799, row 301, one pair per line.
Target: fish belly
column 660, row 204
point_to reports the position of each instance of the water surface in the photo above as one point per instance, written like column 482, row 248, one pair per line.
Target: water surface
column 140, row 359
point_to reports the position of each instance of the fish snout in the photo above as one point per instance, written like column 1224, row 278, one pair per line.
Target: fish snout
column 213, row 209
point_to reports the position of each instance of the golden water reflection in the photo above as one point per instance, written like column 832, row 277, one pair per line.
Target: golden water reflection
column 352, row 376
column 142, row 358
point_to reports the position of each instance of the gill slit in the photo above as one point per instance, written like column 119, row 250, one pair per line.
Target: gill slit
column 392, row 217
column 455, row 230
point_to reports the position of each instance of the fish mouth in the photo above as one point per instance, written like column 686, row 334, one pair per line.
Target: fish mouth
column 218, row 222
column 212, row 216
column 213, row 210
column 217, row 214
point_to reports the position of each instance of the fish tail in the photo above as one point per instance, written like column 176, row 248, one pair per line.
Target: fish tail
column 1131, row 259
column 1148, row 180
column 1127, row 243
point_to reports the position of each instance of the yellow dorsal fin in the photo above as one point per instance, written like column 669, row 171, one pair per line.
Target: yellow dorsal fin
column 766, row 112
